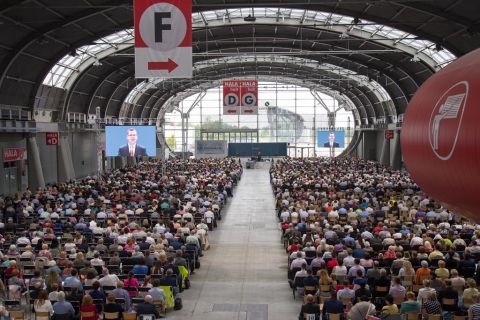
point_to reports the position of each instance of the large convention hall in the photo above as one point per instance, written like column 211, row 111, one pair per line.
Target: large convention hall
column 239, row 160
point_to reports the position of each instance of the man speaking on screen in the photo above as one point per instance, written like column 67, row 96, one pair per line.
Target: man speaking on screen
column 331, row 141
column 132, row 149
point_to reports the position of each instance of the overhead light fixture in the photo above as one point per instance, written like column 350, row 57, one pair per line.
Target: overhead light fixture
column 73, row 53
column 356, row 21
column 97, row 63
column 438, row 47
column 249, row 18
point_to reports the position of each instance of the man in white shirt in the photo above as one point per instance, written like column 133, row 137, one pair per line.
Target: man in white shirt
column 159, row 228
column 209, row 216
column 23, row 240
column 122, row 238
column 349, row 260
column 298, row 262
column 97, row 261
column 285, row 215
column 108, row 279
column 416, row 241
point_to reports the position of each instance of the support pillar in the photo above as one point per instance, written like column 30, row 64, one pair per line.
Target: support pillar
column 131, row 161
column 35, row 171
column 66, row 170
column 119, row 162
column 397, row 152
column 385, row 156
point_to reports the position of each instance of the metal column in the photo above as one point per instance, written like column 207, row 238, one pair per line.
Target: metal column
column 385, row 156
column 35, row 172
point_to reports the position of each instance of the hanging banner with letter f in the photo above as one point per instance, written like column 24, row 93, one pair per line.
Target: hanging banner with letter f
column 163, row 38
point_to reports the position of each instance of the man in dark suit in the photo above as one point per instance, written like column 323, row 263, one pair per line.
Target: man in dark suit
column 132, row 149
column 147, row 307
column 328, row 145
column 331, row 141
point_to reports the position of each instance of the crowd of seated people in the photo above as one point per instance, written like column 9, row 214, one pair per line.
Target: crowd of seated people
column 366, row 236
column 127, row 241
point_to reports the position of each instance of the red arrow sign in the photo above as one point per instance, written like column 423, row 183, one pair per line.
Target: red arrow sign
column 248, row 111
column 170, row 65
column 232, row 111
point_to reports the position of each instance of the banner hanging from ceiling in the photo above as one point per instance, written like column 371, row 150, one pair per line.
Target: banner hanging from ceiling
column 163, row 38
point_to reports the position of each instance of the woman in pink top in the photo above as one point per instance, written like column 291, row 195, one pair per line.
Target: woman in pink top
column 131, row 284
column 130, row 246
column 390, row 253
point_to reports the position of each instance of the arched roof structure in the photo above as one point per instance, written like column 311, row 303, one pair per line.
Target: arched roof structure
column 85, row 49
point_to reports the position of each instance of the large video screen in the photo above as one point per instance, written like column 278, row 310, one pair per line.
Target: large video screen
column 130, row 141
column 331, row 139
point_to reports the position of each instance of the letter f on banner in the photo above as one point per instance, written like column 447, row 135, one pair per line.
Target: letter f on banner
column 163, row 38
column 159, row 26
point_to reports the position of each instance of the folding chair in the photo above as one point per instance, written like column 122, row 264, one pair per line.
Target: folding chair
column 398, row 300
column 412, row 316
column 120, row 301
column 17, row 315
column 42, row 315
column 448, row 302
column 129, row 316
column 298, row 283
column 325, row 290
column 108, row 288
column 99, row 304
column 110, row 315
column 89, row 314
column 142, row 292
column 347, row 302
column 12, row 304
column 334, row 316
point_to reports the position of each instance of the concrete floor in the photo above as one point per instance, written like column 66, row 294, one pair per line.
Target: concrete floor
column 243, row 275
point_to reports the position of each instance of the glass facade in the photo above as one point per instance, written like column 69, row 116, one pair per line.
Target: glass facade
column 287, row 113
column 69, row 65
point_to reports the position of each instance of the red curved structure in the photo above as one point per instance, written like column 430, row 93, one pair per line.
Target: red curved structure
column 441, row 136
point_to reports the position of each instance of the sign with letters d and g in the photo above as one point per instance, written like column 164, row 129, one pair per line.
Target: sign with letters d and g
column 163, row 38
column 240, row 97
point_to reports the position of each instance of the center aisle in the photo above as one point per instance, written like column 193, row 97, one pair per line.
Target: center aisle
column 243, row 275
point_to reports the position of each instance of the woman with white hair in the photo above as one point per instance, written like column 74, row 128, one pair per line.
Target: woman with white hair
column 12, row 252
column 28, row 253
